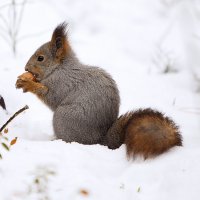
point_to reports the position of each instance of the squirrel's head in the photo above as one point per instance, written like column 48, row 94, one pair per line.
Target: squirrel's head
column 50, row 55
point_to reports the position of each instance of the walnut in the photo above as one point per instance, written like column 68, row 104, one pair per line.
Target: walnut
column 27, row 75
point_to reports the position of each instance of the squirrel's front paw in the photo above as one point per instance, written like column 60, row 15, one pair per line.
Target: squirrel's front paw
column 26, row 85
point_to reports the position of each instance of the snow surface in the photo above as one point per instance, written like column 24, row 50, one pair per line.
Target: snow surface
column 135, row 41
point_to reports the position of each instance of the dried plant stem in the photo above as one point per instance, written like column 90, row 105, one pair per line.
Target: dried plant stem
column 11, row 24
column 15, row 115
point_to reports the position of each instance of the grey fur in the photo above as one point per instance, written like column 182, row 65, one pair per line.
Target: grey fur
column 85, row 99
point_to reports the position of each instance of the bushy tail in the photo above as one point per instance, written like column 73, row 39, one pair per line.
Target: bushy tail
column 145, row 132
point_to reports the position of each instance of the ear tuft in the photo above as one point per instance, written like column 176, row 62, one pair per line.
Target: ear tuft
column 59, row 43
column 60, row 31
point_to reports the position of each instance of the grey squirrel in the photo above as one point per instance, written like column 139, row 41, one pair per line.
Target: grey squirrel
column 85, row 101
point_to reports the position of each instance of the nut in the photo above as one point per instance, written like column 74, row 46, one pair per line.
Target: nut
column 27, row 75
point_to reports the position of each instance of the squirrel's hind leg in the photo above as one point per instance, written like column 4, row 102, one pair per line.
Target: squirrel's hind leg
column 71, row 125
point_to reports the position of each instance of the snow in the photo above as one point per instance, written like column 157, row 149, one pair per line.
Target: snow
column 134, row 41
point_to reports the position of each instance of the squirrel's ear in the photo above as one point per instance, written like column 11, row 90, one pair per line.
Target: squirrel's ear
column 59, row 43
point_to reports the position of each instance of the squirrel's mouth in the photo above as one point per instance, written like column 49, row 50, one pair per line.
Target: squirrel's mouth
column 35, row 71
column 36, row 75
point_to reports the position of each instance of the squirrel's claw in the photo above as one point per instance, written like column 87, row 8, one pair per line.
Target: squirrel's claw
column 24, row 84
column 18, row 84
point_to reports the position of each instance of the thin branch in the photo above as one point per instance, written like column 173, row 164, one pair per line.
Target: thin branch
column 20, row 17
column 14, row 16
column 4, row 20
column 3, row 29
column 15, row 115
column 17, row 4
column 10, row 24
column 4, row 6
column 2, row 103
column 7, row 5
column 14, row 30
column 5, row 38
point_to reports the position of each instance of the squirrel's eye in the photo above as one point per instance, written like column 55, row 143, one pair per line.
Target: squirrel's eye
column 40, row 58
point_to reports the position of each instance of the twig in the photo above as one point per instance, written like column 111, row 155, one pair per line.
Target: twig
column 20, row 18
column 17, row 4
column 4, row 37
column 2, row 103
column 4, row 20
column 15, row 115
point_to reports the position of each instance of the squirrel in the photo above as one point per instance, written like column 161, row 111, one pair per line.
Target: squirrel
column 85, row 101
